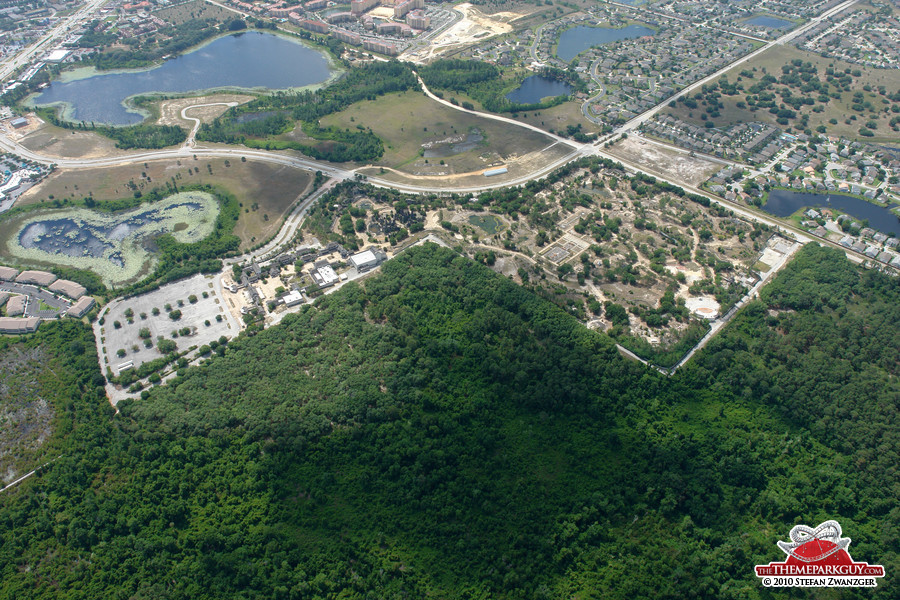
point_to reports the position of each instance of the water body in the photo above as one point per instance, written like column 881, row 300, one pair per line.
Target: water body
column 76, row 238
column 784, row 203
column 536, row 88
column 242, row 61
column 770, row 22
column 578, row 39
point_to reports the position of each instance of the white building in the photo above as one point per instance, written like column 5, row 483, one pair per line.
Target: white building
column 293, row 298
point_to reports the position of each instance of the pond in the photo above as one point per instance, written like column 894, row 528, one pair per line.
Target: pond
column 488, row 223
column 574, row 41
column 251, row 60
column 113, row 245
column 536, row 88
column 769, row 22
column 784, row 203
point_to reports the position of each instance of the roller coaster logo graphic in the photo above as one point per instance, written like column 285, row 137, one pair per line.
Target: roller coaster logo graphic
column 818, row 558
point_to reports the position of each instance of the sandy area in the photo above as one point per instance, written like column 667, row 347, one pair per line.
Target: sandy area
column 170, row 110
column 475, row 26
column 671, row 163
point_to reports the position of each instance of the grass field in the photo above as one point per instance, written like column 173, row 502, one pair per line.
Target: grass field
column 265, row 191
column 197, row 9
column 839, row 110
column 407, row 120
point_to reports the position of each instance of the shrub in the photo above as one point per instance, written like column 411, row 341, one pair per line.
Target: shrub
column 175, row 315
column 120, row 352
column 166, row 346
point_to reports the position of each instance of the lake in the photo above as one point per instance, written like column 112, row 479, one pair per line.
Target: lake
column 574, row 41
column 784, row 203
column 536, row 88
column 770, row 22
column 250, row 60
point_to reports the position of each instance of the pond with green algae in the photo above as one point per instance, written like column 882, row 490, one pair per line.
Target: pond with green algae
column 117, row 246
column 488, row 223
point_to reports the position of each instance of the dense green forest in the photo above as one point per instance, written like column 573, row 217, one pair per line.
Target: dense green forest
column 256, row 123
column 442, row 432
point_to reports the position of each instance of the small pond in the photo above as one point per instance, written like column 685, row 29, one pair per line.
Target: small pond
column 574, row 41
column 769, row 22
column 489, row 223
column 784, row 203
column 536, row 88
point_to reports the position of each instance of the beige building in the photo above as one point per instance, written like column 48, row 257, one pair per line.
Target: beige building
column 10, row 325
column 68, row 288
column 41, row 278
column 81, row 308
column 15, row 306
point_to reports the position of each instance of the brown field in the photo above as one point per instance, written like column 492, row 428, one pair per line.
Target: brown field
column 266, row 192
column 55, row 141
column 519, row 167
column 560, row 117
column 407, row 120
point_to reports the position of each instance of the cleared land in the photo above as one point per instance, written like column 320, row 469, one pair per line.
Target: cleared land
column 64, row 143
column 265, row 191
column 773, row 60
column 670, row 163
column 407, row 120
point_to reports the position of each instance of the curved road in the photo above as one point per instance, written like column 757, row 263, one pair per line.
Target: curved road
column 189, row 142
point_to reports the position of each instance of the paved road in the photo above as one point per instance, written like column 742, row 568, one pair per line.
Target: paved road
column 189, row 142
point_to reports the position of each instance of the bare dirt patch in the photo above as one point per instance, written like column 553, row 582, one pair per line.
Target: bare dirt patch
column 669, row 163
column 475, row 26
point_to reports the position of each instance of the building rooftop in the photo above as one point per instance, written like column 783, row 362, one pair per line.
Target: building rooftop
column 69, row 288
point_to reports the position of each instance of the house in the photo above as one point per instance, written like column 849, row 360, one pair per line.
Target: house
column 13, row 326
column 8, row 273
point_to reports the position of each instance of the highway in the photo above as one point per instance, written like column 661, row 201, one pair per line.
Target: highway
column 49, row 39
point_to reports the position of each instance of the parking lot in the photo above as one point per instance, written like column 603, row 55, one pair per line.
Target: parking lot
column 199, row 317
